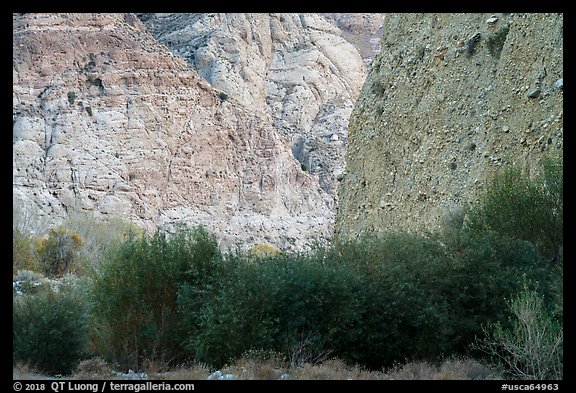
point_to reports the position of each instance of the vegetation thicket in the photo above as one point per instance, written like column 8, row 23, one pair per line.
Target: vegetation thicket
column 375, row 301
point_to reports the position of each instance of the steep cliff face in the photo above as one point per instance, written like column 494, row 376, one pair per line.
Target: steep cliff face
column 106, row 119
column 304, row 70
column 449, row 100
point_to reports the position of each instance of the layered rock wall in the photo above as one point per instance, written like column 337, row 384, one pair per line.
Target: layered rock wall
column 305, row 70
column 107, row 120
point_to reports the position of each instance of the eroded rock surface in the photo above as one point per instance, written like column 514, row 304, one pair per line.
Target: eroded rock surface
column 450, row 99
column 304, row 70
column 106, row 119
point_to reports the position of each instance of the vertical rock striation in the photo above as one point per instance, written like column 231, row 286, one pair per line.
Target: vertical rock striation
column 304, row 70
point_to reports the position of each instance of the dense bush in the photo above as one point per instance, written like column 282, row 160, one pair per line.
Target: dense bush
column 50, row 329
column 520, row 207
column 135, row 295
column 285, row 303
column 403, row 313
column 427, row 295
column 375, row 301
column 58, row 252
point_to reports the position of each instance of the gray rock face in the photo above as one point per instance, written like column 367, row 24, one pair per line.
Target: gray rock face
column 106, row 119
column 304, row 70
column 450, row 99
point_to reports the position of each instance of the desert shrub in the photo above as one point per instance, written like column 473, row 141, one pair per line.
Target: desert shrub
column 374, row 301
column 519, row 207
column 27, row 218
column 279, row 302
column 532, row 348
column 263, row 249
column 93, row 368
column 452, row 368
column 99, row 236
column 135, row 295
column 29, row 282
column 58, row 252
column 404, row 314
column 23, row 257
column 50, row 329
column 425, row 296
column 480, row 273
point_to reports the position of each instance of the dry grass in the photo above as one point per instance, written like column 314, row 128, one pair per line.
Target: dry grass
column 190, row 372
column 450, row 369
column 333, row 369
column 93, row 369
column 21, row 371
column 257, row 367
column 24, row 372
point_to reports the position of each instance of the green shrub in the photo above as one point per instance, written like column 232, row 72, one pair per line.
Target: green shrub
column 96, row 82
column 374, row 301
column 135, row 295
column 404, row 313
column 533, row 347
column 29, row 282
column 282, row 303
column 516, row 206
column 482, row 271
column 58, row 252
column 428, row 296
column 49, row 330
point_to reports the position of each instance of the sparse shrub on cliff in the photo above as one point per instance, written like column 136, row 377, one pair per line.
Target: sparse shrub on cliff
column 223, row 96
column 71, row 97
column 135, row 295
column 496, row 41
column 49, row 329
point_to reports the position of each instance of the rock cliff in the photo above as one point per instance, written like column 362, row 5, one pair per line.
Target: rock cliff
column 106, row 119
column 449, row 100
column 304, row 70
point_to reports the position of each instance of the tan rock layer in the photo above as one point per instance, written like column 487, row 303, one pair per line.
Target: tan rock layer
column 450, row 99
